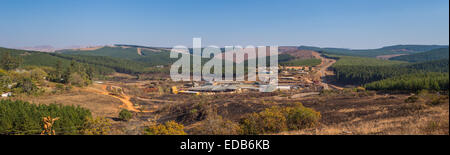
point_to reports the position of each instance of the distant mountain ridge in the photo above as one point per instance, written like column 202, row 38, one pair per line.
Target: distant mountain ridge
column 152, row 56
column 42, row 48
column 388, row 50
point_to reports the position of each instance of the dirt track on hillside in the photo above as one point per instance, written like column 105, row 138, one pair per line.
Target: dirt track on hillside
column 324, row 70
column 125, row 99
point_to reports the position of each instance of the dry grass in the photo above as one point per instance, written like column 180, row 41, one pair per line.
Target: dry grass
column 99, row 105
column 379, row 116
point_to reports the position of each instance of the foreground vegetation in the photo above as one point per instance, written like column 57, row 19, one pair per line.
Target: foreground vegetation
column 17, row 117
column 276, row 119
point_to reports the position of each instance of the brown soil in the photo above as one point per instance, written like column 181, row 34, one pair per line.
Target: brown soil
column 302, row 54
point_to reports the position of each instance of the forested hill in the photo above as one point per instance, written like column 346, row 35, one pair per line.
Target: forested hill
column 389, row 50
column 146, row 56
column 378, row 74
column 102, row 64
column 436, row 54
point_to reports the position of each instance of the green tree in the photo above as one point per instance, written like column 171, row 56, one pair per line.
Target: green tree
column 26, row 85
column 125, row 115
column 9, row 62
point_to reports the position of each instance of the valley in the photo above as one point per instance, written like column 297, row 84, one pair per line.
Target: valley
column 324, row 85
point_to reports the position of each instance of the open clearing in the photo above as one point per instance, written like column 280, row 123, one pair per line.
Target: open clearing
column 99, row 105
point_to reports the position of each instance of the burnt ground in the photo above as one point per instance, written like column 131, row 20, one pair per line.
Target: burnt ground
column 343, row 113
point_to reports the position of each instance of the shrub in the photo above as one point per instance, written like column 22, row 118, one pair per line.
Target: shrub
column 360, row 89
column 59, row 87
column 437, row 127
column 125, row 115
column 197, row 112
column 412, row 99
column 76, row 80
column 432, row 99
column 96, row 126
column 168, row 128
column 300, row 117
column 276, row 119
column 216, row 125
column 328, row 92
column 26, row 85
column 268, row 121
column 38, row 75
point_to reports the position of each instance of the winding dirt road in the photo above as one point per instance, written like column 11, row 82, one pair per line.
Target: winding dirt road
column 125, row 99
column 325, row 71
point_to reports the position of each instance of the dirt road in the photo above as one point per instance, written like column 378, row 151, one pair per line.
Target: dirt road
column 325, row 71
column 324, row 66
column 125, row 99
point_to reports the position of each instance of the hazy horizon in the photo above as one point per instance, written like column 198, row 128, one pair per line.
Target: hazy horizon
column 352, row 24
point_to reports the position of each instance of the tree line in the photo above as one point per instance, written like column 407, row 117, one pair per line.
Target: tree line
column 18, row 117
column 353, row 70
column 413, row 82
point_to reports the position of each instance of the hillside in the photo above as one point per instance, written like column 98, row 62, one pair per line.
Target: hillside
column 436, row 54
column 302, row 54
column 100, row 63
column 147, row 57
column 388, row 50
column 359, row 70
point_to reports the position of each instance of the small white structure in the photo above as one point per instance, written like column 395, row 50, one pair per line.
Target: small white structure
column 8, row 94
column 284, row 88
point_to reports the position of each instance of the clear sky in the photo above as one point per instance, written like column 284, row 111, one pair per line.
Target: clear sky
column 324, row 23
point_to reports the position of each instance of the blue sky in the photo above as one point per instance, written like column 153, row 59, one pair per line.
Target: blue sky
column 324, row 23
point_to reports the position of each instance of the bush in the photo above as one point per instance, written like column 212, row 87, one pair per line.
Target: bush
column 270, row 120
column 360, row 89
column 96, row 126
column 168, row 128
column 38, row 75
column 76, row 80
column 431, row 99
column 125, row 115
column 59, row 87
column 27, row 86
column 276, row 119
column 412, row 99
column 300, row 117
column 216, row 125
